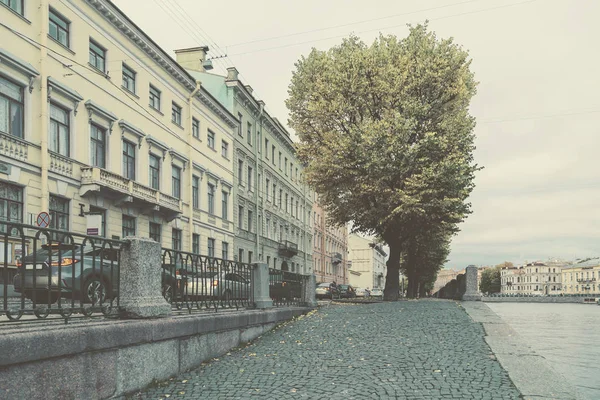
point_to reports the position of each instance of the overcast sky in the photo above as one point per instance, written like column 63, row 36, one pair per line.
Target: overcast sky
column 538, row 106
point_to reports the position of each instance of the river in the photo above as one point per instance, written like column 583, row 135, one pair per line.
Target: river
column 567, row 335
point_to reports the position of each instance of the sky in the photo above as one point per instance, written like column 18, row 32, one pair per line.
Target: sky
column 537, row 107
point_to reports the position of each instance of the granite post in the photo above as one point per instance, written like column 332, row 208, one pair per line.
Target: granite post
column 472, row 293
column 260, row 286
column 140, row 280
column 309, row 294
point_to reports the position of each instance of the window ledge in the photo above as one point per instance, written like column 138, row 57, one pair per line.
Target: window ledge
column 61, row 45
column 177, row 125
column 197, row 138
column 130, row 92
column 212, row 148
column 156, row 109
column 99, row 71
column 16, row 13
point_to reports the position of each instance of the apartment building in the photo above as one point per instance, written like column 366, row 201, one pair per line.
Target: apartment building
column 581, row 278
column 271, row 201
column 535, row 278
column 99, row 125
column 330, row 248
column 367, row 263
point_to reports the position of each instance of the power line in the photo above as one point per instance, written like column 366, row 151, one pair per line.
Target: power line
column 533, row 117
column 380, row 29
column 350, row 24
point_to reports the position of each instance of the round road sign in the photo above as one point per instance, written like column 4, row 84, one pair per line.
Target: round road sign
column 43, row 219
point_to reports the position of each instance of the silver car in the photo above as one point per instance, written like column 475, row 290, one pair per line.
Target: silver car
column 221, row 285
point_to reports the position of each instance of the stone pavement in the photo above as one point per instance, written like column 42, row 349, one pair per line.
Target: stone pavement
column 427, row 349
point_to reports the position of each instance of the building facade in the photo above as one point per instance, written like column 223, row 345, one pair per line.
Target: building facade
column 98, row 125
column 583, row 278
column 271, row 201
column 367, row 263
column 330, row 248
column 536, row 278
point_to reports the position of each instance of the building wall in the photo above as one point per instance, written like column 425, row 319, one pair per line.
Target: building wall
column 368, row 268
column 62, row 76
column 581, row 280
column 330, row 248
column 541, row 278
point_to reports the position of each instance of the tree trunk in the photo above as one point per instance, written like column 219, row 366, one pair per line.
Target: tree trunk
column 413, row 282
column 422, row 290
column 391, row 291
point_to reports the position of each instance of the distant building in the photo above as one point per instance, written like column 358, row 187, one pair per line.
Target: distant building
column 367, row 263
column 582, row 278
column 535, row 278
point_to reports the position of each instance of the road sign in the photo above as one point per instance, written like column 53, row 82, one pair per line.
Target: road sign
column 43, row 219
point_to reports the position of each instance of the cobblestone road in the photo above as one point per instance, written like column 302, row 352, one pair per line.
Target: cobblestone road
column 424, row 349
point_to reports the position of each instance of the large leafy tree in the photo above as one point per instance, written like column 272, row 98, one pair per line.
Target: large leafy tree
column 490, row 280
column 386, row 136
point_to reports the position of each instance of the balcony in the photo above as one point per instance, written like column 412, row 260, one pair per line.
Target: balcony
column 586, row 280
column 122, row 190
column 13, row 147
column 243, row 234
column 336, row 258
column 287, row 248
column 61, row 164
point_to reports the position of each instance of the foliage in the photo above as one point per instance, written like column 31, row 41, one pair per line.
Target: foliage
column 490, row 279
column 387, row 140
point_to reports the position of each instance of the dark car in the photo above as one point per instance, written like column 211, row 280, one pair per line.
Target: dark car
column 327, row 290
column 346, row 291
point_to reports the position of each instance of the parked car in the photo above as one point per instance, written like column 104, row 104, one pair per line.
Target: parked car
column 376, row 292
column 284, row 285
column 360, row 292
column 346, row 291
column 326, row 290
column 68, row 271
column 218, row 284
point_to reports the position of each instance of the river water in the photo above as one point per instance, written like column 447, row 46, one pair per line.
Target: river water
column 567, row 335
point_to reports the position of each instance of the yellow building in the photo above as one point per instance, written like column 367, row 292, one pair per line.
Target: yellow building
column 582, row 278
column 330, row 249
column 96, row 118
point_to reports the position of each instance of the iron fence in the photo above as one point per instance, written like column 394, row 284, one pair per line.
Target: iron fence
column 286, row 288
column 191, row 281
column 53, row 272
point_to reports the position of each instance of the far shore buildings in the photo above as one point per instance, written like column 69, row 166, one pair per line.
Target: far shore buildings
column 368, row 263
column 582, row 278
column 535, row 278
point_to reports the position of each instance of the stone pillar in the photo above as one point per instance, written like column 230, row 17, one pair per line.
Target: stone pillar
column 260, row 286
column 309, row 294
column 141, row 280
column 472, row 293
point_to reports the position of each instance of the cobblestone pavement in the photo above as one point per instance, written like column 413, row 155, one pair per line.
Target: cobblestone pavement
column 426, row 349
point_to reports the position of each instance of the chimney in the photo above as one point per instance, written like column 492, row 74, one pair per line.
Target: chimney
column 194, row 58
column 232, row 74
column 248, row 88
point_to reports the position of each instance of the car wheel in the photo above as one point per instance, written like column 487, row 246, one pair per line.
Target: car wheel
column 167, row 292
column 94, row 291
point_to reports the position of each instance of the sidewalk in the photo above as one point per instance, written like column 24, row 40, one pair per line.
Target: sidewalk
column 427, row 349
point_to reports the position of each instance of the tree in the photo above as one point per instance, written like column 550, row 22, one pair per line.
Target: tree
column 490, row 279
column 386, row 136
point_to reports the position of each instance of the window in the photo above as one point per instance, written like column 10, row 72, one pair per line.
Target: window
column 98, row 141
column 59, row 130
column 266, row 148
column 286, row 202
column 59, row 213
column 97, row 56
column 240, row 131
column 249, row 257
column 128, row 160
column 250, row 220
column 155, row 231
column 15, row 5
column 195, row 128
column 224, row 149
column 241, row 255
column 274, row 194
column 241, row 217
column 267, row 188
column 258, row 142
column 211, row 199
column 175, row 114
column 211, row 139
column 273, row 154
column 279, row 160
column 296, row 209
column 176, row 175
column 154, row 172
column 195, row 192
column 269, row 260
column 296, row 173
column 176, row 239
column 225, row 251
column 11, row 108
column 128, row 78
column 211, row 247
column 280, row 196
column 250, row 177
column 154, row 98
column 59, row 28
column 285, row 169
column 268, row 223
column 128, row 226
column 225, row 205
column 195, row 243
column 240, row 172
column 249, row 134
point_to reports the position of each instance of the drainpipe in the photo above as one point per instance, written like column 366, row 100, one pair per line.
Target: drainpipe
column 258, row 184
column 45, row 162
column 191, row 166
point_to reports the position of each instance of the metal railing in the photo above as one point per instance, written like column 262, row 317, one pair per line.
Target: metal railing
column 192, row 281
column 286, row 288
column 51, row 272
